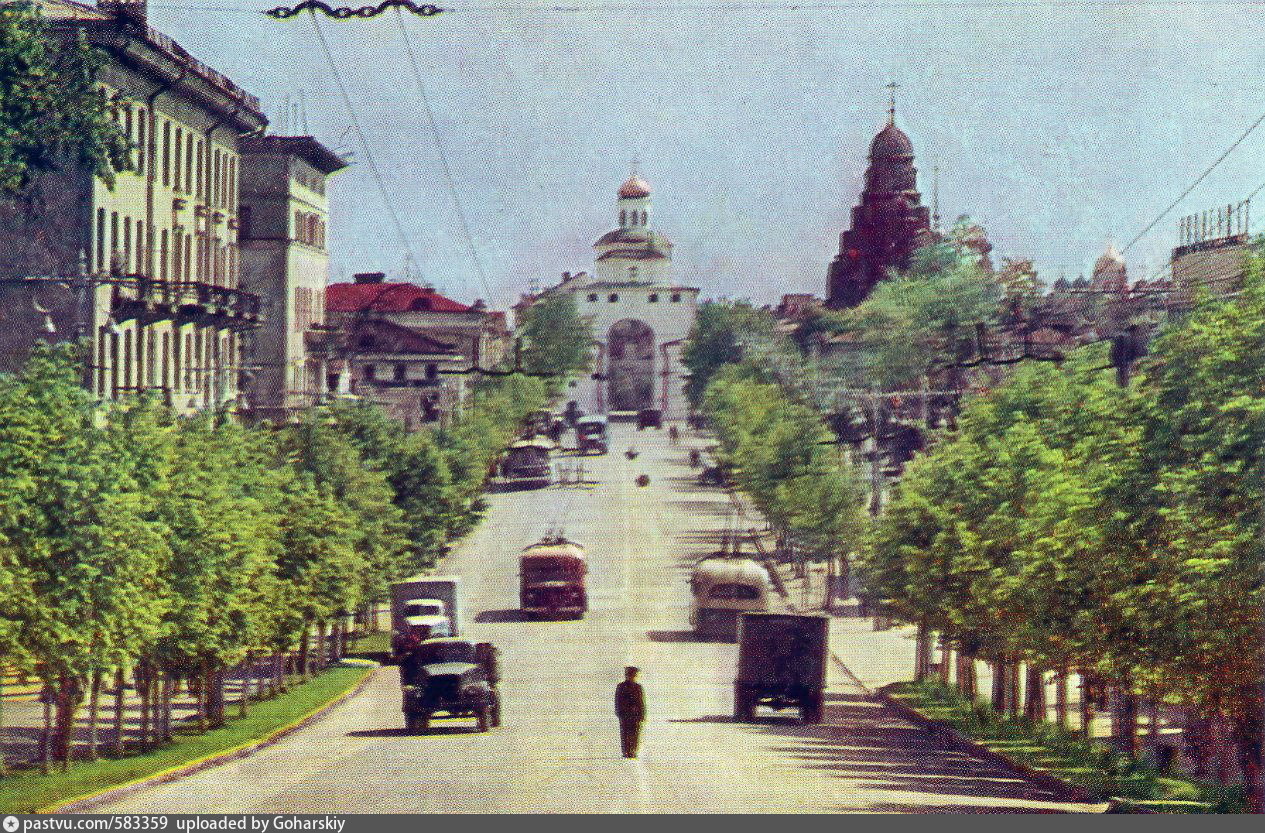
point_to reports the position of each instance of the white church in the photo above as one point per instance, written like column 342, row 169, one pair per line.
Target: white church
column 640, row 315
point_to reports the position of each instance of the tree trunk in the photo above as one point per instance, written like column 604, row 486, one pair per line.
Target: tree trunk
column 120, row 709
column 999, row 685
column 46, row 735
column 303, row 658
column 168, row 692
column 946, row 661
column 1035, row 706
column 1087, row 706
column 141, row 676
column 1127, row 703
column 4, row 767
column 1013, row 704
column 1246, row 732
column 69, row 695
column 319, row 653
column 247, row 667
column 967, row 680
column 922, row 653
column 94, row 712
column 215, row 696
column 1060, row 698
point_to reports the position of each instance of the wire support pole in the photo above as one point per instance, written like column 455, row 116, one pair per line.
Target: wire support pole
column 355, row 122
column 443, row 155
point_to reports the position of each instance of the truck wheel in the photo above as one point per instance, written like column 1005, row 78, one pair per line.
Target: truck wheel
column 481, row 718
column 811, row 710
column 744, row 706
column 495, row 712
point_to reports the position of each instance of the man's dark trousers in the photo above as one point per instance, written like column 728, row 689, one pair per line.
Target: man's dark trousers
column 630, row 736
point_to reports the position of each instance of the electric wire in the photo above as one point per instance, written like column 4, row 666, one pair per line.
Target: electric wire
column 355, row 122
column 443, row 156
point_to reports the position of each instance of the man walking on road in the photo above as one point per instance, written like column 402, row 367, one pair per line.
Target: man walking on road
column 630, row 708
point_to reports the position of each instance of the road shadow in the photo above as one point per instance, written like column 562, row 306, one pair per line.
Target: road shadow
column 380, row 733
column 861, row 740
column 675, row 636
column 717, row 508
column 500, row 616
column 758, row 720
column 405, row 733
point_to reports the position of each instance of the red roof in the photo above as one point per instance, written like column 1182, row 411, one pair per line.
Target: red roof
column 388, row 297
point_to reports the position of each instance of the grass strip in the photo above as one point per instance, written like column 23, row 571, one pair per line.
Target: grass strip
column 371, row 643
column 1104, row 773
column 28, row 791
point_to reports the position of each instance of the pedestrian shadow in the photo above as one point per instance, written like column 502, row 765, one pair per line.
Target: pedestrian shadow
column 500, row 616
column 678, row 636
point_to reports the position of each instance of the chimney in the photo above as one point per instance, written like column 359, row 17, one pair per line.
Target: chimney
column 134, row 10
column 370, row 277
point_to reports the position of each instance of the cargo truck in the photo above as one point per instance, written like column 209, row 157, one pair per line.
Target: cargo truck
column 423, row 607
column 453, row 678
column 781, row 664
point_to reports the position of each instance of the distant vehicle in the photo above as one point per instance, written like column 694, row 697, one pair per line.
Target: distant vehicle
column 423, row 607
column 551, row 579
column 526, row 464
column 590, row 432
column 538, row 422
column 781, row 664
column 453, row 677
column 723, row 589
column 649, row 418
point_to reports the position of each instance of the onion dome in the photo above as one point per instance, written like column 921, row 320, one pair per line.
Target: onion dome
column 891, row 141
column 634, row 188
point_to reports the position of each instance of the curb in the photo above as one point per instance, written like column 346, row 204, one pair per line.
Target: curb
column 91, row 800
column 1062, row 789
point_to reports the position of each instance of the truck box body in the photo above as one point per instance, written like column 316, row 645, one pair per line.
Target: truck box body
column 444, row 588
column 781, row 662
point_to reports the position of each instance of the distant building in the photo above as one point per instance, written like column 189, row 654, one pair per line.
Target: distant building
column 149, row 271
column 640, row 315
column 888, row 225
column 282, row 222
column 374, row 315
column 1212, row 248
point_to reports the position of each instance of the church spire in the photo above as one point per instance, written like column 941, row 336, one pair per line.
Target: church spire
column 892, row 87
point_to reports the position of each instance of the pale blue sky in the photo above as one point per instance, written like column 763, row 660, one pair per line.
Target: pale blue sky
column 1054, row 124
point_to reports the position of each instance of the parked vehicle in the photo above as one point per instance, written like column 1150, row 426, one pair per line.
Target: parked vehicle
column 649, row 418
column 551, row 579
column 423, row 607
column 591, row 435
column 723, row 589
column 781, row 664
column 538, row 423
column 452, row 677
column 526, row 464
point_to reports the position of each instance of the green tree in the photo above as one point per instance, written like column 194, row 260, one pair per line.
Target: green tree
column 555, row 338
column 51, row 113
column 720, row 335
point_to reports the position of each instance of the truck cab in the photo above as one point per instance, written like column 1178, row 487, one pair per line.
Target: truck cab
column 723, row 588
column 453, row 678
column 590, row 432
column 551, row 579
column 423, row 619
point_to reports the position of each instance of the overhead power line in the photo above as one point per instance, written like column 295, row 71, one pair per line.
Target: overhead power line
column 355, row 122
column 443, row 157
column 1198, row 180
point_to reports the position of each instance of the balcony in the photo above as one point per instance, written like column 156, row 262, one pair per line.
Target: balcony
column 139, row 296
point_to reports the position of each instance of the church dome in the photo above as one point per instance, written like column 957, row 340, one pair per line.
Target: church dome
column 634, row 188
column 891, row 141
column 1110, row 267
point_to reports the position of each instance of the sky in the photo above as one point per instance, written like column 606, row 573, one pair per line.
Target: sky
column 1057, row 125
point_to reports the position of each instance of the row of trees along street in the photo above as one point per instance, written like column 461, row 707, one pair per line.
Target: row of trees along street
column 1059, row 523
column 135, row 544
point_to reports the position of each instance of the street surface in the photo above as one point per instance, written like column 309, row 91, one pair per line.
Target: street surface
column 558, row 750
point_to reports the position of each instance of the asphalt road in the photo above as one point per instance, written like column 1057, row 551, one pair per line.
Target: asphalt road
column 558, row 748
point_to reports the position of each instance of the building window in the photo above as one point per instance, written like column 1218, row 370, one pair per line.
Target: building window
column 140, row 142
column 175, row 172
column 166, row 152
column 401, row 372
column 676, row 296
column 654, row 297
column 614, row 298
column 623, row 218
column 370, row 373
column 592, row 297
column 243, row 223
column 632, row 273
column 432, row 372
column 101, row 264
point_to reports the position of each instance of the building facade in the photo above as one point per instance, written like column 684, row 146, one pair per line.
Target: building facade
column 888, row 224
column 450, row 336
column 283, row 219
column 640, row 315
column 148, row 272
